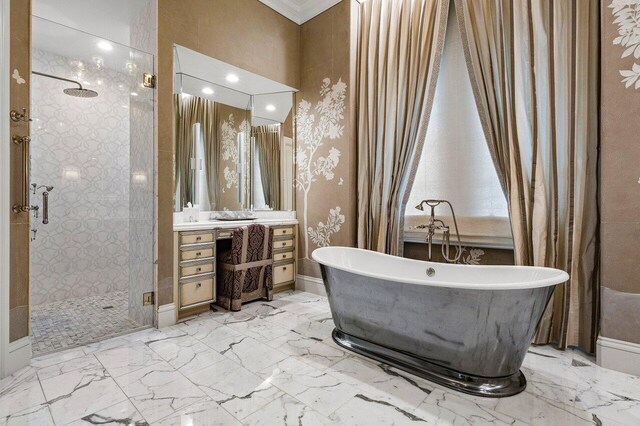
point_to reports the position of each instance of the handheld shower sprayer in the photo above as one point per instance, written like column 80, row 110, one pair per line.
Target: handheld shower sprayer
column 437, row 224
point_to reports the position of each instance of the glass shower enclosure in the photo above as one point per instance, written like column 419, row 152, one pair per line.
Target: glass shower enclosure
column 92, row 187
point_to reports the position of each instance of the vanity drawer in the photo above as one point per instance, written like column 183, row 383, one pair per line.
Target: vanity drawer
column 282, row 244
column 283, row 274
column 196, row 254
column 278, row 232
column 196, row 292
column 196, row 238
column 288, row 255
column 196, row 269
column 224, row 234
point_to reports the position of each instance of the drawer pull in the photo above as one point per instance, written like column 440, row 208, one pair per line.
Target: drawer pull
column 198, row 285
column 198, row 269
column 199, row 253
column 284, row 269
column 198, row 238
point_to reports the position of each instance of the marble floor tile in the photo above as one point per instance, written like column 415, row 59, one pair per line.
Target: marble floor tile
column 39, row 415
column 312, row 352
column 287, row 411
column 21, row 397
column 249, row 353
column 318, row 389
column 236, row 389
column 86, row 362
column 275, row 363
column 185, row 353
column 205, row 412
column 447, row 408
column 76, row 394
column 159, row 390
column 127, row 359
column 123, row 413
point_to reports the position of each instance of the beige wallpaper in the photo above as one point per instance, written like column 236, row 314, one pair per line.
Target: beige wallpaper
column 19, row 233
column 620, row 172
column 326, row 157
column 245, row 33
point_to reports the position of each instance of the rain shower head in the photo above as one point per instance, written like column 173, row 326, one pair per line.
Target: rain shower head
column 79, row 92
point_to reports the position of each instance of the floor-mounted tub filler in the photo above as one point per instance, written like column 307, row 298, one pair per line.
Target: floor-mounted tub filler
column 466, row 327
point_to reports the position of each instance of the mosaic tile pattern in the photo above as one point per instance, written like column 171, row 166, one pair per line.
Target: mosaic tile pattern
column 274, row 363
column 81, row 147
column 70, row 323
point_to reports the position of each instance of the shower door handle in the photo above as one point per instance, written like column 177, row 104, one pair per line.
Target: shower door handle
column 45, row 207
column 23, row 203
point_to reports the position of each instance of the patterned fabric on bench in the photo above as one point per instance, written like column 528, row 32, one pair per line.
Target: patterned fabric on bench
column 245, row 272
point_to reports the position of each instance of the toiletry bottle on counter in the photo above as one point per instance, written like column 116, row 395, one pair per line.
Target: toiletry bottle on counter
column 191, row 213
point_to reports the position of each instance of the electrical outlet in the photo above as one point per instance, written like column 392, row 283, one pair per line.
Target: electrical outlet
column 147, row 299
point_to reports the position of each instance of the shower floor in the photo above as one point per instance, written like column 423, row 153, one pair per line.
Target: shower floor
column 69, row 323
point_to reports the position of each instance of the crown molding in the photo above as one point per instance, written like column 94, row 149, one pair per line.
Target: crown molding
column 300, row 11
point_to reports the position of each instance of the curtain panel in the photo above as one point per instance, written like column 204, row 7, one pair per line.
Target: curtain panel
column 534, row 69
column 399, row 48
column 267, row 142
column 188, row 111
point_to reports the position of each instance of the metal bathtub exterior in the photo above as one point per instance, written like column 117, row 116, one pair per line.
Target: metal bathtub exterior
column 471, row 340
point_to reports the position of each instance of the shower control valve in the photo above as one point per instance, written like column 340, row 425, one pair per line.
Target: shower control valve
column 19, row 116
column 35, row 209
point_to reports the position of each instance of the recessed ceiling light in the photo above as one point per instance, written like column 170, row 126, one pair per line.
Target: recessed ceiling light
column 232, row 78
column 133, row 94
column 270, row 107
column 105, row 45
column 207, row 91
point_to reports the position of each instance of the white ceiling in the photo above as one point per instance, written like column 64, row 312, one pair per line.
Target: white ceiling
column 300, row 11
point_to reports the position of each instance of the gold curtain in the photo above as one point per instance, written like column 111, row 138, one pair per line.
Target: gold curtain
column 399, row 49
column 267, row 142
column 188, row 111
column 534, row 71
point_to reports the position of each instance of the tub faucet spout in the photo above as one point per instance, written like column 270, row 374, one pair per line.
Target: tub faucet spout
column 439, row 225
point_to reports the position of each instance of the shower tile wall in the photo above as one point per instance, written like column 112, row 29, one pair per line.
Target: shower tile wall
column 81, row 147
column 141, row 197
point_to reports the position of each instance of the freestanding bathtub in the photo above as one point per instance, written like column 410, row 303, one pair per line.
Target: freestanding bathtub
column 462, row 326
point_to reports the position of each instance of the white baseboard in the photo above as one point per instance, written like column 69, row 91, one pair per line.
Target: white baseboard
column 166, row 315
column 311, row 284
column 618, row 355
column 19, row 355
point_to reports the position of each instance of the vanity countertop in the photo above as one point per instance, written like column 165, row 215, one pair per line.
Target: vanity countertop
column 221, row 224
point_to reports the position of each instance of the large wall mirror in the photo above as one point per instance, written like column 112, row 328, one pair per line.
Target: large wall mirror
column 234, row 137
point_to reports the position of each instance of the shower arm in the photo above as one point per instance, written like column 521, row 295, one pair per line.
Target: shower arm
column 58, row 78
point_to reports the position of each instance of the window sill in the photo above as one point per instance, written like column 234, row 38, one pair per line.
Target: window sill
column 485, row 232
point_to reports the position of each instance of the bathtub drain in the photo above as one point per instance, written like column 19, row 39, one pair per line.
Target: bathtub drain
column 431, row 272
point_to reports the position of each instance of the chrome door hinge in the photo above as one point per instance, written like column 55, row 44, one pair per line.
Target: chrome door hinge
column 149, row 80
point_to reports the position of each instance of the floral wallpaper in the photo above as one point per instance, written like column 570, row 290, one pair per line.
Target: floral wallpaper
column 317, row 126
column 81, row 147
column 626, row 15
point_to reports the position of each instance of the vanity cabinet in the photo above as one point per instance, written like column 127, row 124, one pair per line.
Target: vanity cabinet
column 195, row 265
column 194, row 269
column 284, row 264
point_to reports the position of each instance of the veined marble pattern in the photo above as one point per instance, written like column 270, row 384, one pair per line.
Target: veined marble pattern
column 274, row 363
